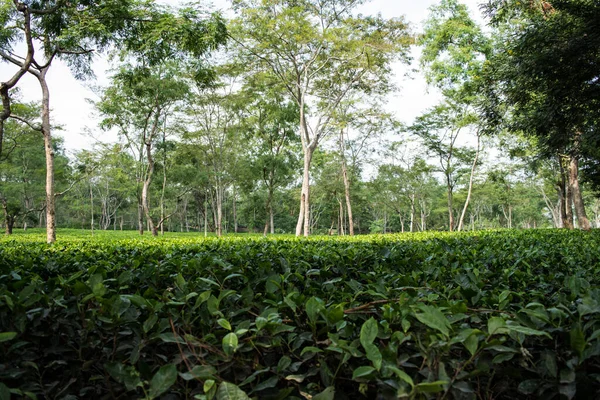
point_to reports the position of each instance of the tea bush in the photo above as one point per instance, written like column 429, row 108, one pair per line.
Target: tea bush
column 499, row 315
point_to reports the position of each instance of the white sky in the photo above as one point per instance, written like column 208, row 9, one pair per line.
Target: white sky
column 70, row 108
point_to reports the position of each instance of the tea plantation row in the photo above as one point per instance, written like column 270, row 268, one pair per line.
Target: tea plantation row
column 500, row 315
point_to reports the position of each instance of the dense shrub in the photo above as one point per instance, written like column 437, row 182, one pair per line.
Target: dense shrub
column 483, row 315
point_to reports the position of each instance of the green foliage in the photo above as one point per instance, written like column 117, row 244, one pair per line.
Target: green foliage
column 464, row 315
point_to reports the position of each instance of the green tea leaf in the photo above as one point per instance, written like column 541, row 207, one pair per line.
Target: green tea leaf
column 314, row 306
column 368, row 332
column 6, row 336
column 529, row 386
column 4, row 392
column 230, row 343
column 224, row 323
column 327, row 394
column 199, row 372
column 578, row 341
column 229, row 391
column 402, row 375
column 497, row 326
column 163, row 380
column 527, row 331
column 362, row 372
column 434, row 318
column 431, row 387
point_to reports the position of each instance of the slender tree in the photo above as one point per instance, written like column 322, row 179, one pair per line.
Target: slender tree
column 320, row 51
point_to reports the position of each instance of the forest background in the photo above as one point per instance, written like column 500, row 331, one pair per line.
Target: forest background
column 222, row 122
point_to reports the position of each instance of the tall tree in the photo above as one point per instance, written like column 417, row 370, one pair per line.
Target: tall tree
column 454, row 54
column 543, row 80
column 73, row 31
column 269, row 122
column 61, row 30
column 319, row 50
column 139, row 103
column 439, row 130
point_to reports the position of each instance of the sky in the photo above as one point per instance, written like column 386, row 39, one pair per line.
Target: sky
column 72, row 107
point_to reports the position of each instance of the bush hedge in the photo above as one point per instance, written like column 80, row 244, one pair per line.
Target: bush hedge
column 500, row 315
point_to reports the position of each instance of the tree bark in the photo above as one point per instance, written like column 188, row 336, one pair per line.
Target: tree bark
column 341, row 219
column 49, row 150
column 470, row 190
column 92, row 209
column 149, row 174
column 234, row 210
column 582, row 218
column 346, row 185
column 450, row 213
column 567, row 197
column 140, row 216
column 9, row 220
column 304, row 215
column 269, row 204
column 219, row 200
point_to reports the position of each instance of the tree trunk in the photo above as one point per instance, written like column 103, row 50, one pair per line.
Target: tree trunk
column 413, row 211
column 206, row 216
column 146, row 187
column 49, row 150
column 341, row 219
column 470, row 190
column 346, row 184
column 582, row 219
column 269, row 205
column 9, row 219
column 219, row 227
column 140, row 216
column 272, row 218
column 567, row 197
column 304, row 215
column 92, row 209
column 450, row 213
column 234, row 210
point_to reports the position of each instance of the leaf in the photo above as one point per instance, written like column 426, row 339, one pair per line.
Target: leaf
column 126, row 375
column 368, row 332
column 362, row 372
column 500, row 358
column 296, row 378
column 431, row 387
column 433, row 318
column 472, row 344
column 210, row 388
column 327, row 394
column 267, row 384
column 4, row 392
column 6, row 336
column 577, row 340
column 374, row 355
column 497, row 326
column 230, row 343
column 314, row 306
column 283, row 364
column 569, row 391
column 402, row 375
column 229, row 391
column 163, row 380
column 170, row 337
column 224, row 323
column 150, row 322
column 200, row 372
column 310, row 349
column 527, row 331
column 529, row 386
